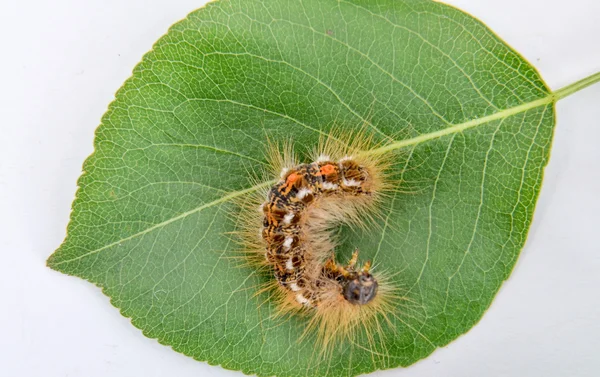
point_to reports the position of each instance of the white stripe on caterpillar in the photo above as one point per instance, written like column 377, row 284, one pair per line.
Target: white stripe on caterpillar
column 323, row 158
column 351, row 182
column 303, row 192
column 288, row 242
column 329, row 186
column 287, row 219
column 301, row 299
column 284, row 171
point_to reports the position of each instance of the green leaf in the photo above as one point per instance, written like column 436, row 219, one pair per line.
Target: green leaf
column 150, row 220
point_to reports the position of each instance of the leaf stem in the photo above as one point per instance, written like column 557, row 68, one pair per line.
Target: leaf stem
column 553, row 97
column 576, row 86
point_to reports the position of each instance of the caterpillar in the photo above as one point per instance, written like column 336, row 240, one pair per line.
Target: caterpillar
column 289, row 230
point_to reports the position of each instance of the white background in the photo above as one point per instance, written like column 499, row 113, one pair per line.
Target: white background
column 61, row 62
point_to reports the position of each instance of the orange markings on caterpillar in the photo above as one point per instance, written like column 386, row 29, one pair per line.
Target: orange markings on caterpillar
column 327, row 169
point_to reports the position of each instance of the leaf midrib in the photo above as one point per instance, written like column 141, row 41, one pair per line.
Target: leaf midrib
column 503, row 114
column 464, row 126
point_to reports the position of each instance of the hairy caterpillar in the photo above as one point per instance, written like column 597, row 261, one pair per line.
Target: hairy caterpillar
column 288, row 229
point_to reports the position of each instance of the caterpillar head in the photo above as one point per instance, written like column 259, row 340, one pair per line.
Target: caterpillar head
column 360, row 288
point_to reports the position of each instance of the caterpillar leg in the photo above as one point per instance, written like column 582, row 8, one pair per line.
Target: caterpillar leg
column 349, row 270
column 352, row 263
column 353, row 260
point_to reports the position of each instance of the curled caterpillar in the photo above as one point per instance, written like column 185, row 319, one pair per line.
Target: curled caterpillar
column 295, row 205
column 296, row 241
